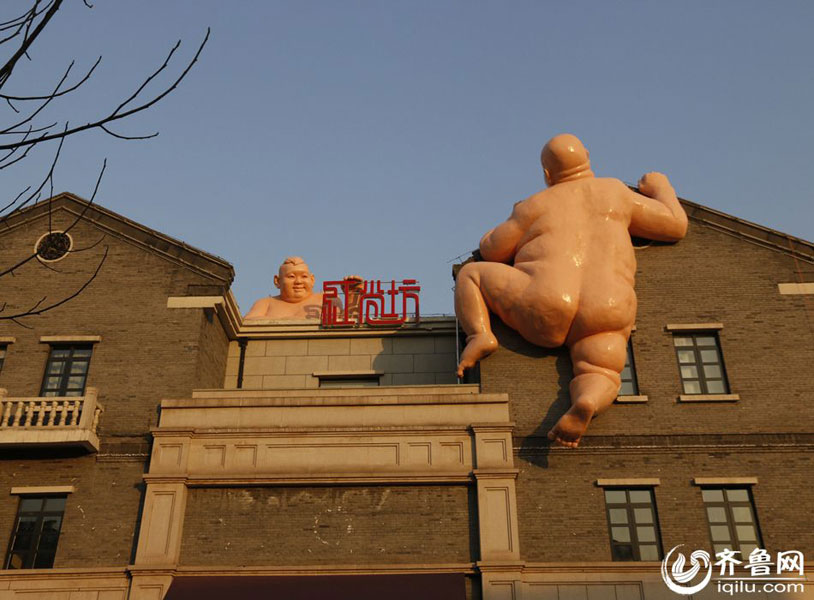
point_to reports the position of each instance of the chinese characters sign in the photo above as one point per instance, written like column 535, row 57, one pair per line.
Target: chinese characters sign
column 352, row 302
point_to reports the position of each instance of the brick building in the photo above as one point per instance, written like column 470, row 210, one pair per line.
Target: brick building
column 154, row 445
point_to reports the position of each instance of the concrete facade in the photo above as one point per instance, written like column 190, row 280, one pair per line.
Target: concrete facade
column 216, row 453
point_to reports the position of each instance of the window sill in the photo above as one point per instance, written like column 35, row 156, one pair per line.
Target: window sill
column 631, row 399
column 709, row 398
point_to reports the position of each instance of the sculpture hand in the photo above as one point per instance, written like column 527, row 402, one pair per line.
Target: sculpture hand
column 357, row 280
column 652, row 183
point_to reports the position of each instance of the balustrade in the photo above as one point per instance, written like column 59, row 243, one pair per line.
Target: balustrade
column 70, row 418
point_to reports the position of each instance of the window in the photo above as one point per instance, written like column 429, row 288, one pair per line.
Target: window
column 33, row 544
column 349, row 382
column 633, row 524
column 700, row 363
column 67, row 370
column 630, row 383
column 3, row 350
column 731, row 517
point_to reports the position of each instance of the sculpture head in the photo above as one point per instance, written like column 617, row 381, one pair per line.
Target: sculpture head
column 294, row 280
column 564, row 158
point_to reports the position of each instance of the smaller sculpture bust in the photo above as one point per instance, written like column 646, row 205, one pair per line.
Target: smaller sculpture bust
column 296, row 299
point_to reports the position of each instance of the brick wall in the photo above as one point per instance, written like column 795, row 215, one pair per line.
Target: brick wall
column 290, row 363
column 768, row 351
column 562, row 511
column 213, row 346
column 100, row 516
column 147, row 352
column 710, row 276
column 328, row 525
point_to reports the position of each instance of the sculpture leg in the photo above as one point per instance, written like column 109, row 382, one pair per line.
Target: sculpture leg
column 598, row 361
column 479, row 287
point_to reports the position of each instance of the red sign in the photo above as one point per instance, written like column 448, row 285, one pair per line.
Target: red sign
column 368, row 302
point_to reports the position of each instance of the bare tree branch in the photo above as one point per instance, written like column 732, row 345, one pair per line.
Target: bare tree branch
column 36, row 310
column 19, row 34
column 29, row 38
column 57, row 95
column 116, row 115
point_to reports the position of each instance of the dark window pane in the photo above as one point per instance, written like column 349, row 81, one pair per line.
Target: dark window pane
column 620, row 534
column 646, row 534
column 686, row 356
column 715, row 387
column 618, row 515
column 36, row 533
column 55, row 368
column 615, row 496
column 742, row 514
column 709, row 356
column 633, row 524
column 710, row 495
column 54, row 504
column 30, row 504
column 716, row 514
column 637, row 496
column 739, row 495
column 731, row 519
column 627, row 388
column 720, row 533
column 712, row 371
column 642, row 515
column 746, row 533
column 78, row 368
column 66, row 371
column 692, row 387
column 700, row 364
column 349, row 382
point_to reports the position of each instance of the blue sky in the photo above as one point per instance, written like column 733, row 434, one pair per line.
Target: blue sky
column 384, row 138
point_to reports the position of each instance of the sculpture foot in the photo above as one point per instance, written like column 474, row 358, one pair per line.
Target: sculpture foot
column 478, row 346
column 569, row 429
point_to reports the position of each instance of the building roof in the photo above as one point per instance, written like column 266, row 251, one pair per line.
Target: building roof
column 751, row 232
column 118, row 225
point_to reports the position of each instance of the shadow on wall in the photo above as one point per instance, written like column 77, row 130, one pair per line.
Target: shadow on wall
column 535, row 447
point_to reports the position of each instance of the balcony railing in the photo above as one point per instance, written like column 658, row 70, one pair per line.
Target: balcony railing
column 50, row 421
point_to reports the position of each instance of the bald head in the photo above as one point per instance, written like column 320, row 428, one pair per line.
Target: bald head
column 294, row 280
column 564, row 158
column 291, row 261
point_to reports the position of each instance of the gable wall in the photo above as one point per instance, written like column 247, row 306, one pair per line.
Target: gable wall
column 147, row 352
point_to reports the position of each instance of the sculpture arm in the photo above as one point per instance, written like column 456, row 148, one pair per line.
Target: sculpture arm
column 657, row 214
column 259, row 309
column 500, row 244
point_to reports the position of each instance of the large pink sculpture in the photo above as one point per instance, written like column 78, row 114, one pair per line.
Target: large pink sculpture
column 561, row 270
column 296, row 299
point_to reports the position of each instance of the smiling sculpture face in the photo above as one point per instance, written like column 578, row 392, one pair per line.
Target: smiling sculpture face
column 295, row 282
